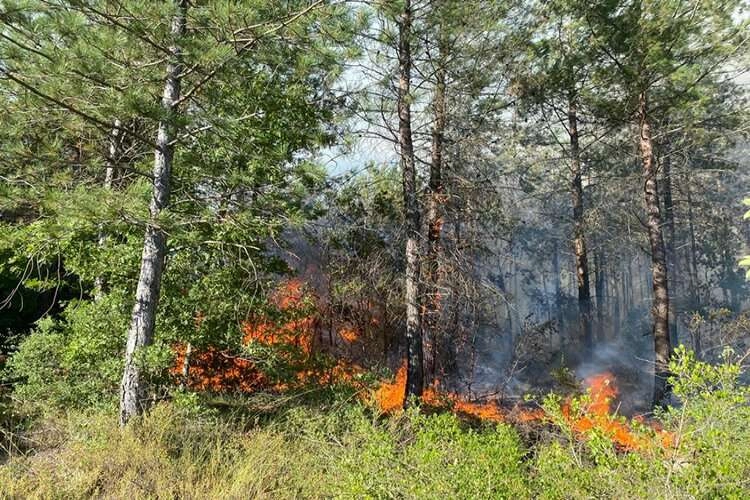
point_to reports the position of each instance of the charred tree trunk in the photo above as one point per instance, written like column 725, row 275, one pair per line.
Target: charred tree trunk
column 671, row 242
column 143, row 319
column 113, row 155
column 660, row 307
column 414, row 357
column 435, row 202
column 579, row 236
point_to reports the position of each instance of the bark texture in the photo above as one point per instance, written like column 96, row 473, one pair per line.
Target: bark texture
column 660, row 306
column 579, row 236
column 414, row 358
column 143, row 319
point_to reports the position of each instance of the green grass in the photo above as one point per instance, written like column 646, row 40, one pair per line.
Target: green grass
column 341, row 451
column 344, row 452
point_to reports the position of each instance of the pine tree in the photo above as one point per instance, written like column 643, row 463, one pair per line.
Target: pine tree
column 657, row 53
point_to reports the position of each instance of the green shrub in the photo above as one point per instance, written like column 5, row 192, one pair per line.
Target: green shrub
column 712, row 427
column 75, row 361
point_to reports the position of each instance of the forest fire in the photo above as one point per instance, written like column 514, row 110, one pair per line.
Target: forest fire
column 296, row 334
column 214, row 370
column 390, row 395
column 593, row 415
column 596, row 414
column 297, row 331
column 390, row 398
column 350, row 335
column 219, row 370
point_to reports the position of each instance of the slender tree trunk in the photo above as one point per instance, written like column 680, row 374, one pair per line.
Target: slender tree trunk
column 660, row 307
column 113, row 155
column 617, row 309
column 671, row 240
column 141, row 331
column 693, row 259
column 600, row 282
column 579, row 236
column 629, row 296
column 414, row 358
column 557, row 283
column 435, row 200
column 186, row 365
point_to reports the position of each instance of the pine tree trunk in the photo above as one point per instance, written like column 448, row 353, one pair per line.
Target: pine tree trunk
column 670, row 243
column 617, row 308
column 660, row 307
column 629, row 295
column 414, row 359
column 435, row 200
column 579, row 237
column 557, row 284
column 113, row 155
column 143, row 319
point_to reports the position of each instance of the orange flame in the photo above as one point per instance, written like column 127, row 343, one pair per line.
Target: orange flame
column 390, row 398
column 216, row 370
column 596, row 412
column 597, row 415
column 349, row 334
column 289, row 297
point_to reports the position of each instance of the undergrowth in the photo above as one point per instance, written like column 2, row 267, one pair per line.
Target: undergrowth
column 330, row 445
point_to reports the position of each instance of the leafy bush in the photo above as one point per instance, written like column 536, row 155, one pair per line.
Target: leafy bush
column 712, row 427
column 75, row 361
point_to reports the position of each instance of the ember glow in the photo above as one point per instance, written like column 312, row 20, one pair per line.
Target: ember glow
column 217, row 371
column 349, row 334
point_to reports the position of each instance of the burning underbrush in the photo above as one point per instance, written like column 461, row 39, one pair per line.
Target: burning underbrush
column 316, row 356
column 294, row 351
column 582, row 416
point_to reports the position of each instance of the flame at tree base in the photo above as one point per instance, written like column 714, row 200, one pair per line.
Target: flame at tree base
column 593, row 412
column 390, row 398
